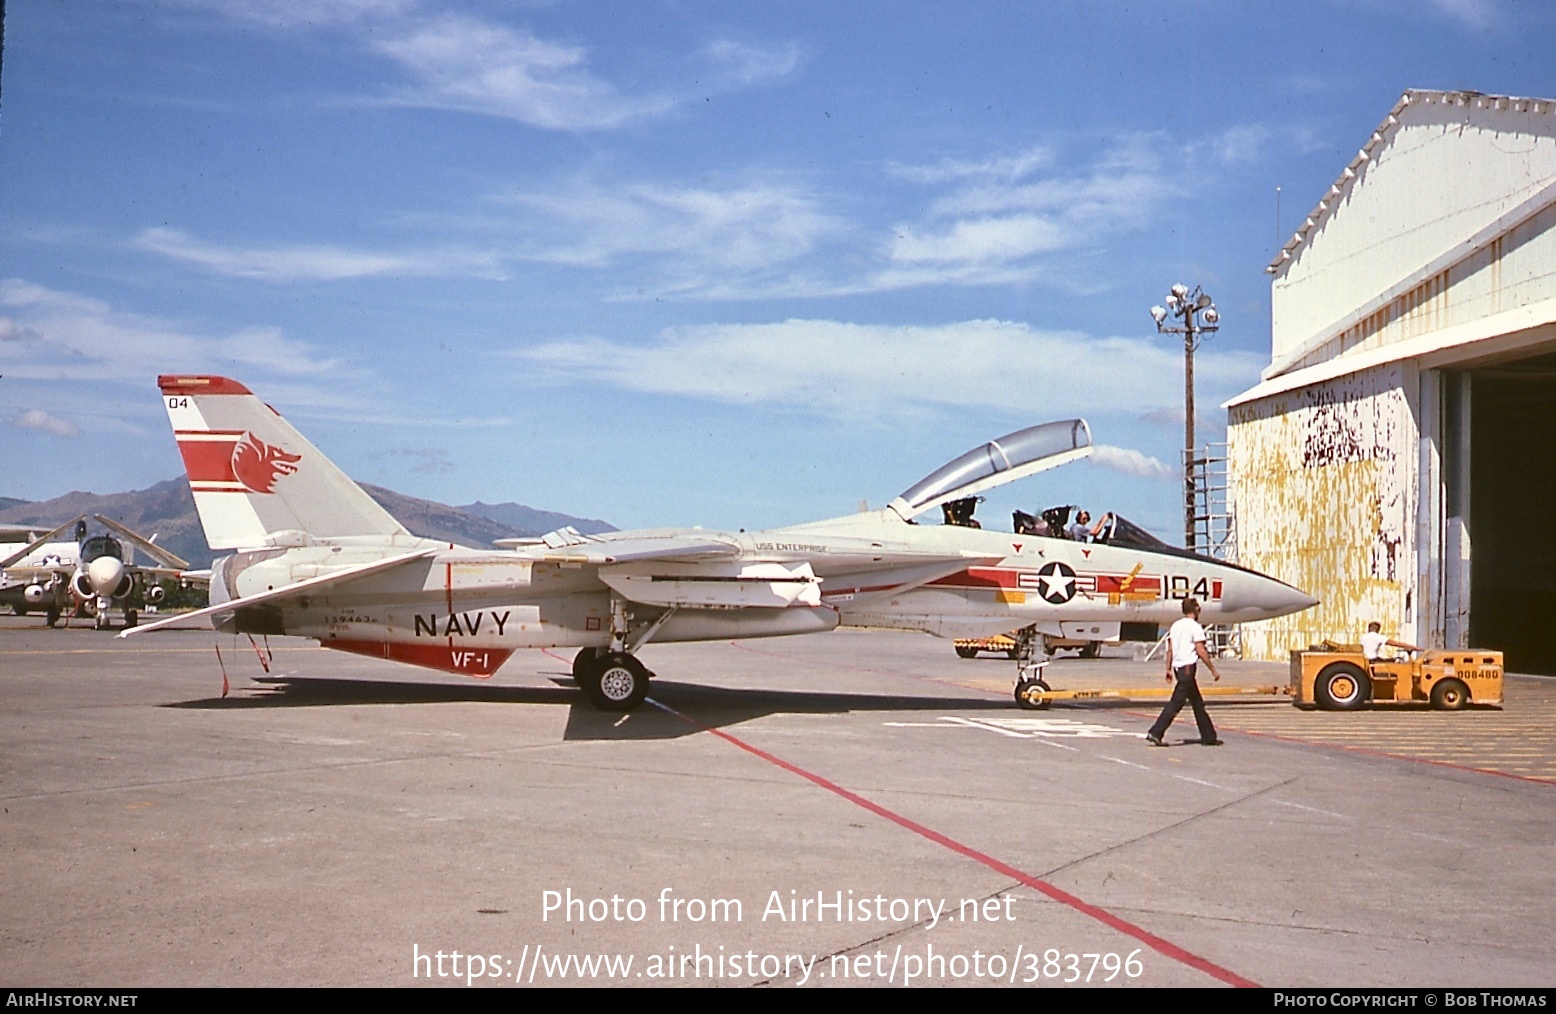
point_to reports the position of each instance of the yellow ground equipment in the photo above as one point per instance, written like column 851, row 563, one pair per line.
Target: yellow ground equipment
column 1085, row 638
column 1034, row 693
column 1338, row 677
column 1002, row 644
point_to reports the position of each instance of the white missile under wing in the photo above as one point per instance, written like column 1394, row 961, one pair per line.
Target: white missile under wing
column 314, row 556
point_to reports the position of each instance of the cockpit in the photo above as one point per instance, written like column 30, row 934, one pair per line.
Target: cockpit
column 99, row 546
column 953, row 487
column 1012, row 456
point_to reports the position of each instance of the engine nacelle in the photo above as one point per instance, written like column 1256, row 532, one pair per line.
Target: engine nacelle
column 81, row 586
column 155, row 594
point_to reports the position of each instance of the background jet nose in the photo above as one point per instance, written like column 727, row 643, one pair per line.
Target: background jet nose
column 105, row 573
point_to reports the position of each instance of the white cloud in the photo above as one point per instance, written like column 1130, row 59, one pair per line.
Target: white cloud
column 883, row 373
column 38, row 419
column 425, row 460
column 310, row 263
column 749, row 65
column 306, row 13
column 982, row 240
column 1170, row 418
column 11, row 331
column 1131, row 462
column 1240, row 145
column 483, row 67
column 995, row 167
column 1002, row 219
column 1474, row 13
column 83, row 338
column 491, row 67
column 702, row 237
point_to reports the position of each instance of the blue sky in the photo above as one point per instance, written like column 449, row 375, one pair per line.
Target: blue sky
column 736, row 265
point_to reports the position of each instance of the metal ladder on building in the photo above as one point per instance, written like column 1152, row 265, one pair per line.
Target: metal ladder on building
column 1214, row 526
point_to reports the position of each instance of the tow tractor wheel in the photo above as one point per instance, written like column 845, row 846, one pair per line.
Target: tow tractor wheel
column 1450, row 695
column 613, row 681
column 1342, row 687
column 1031, row 694
column 963, row 651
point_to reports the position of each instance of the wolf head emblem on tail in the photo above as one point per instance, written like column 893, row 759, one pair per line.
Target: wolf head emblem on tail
column 258, row 465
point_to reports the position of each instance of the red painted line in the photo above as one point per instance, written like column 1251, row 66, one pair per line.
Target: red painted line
column 208, row 460
column 1397, row 756
column 1103, row 916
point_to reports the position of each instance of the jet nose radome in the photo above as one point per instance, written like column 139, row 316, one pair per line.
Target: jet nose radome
column 106, row 574
column 1250, row 596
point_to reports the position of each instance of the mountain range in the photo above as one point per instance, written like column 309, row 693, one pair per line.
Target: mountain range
column 167, row 511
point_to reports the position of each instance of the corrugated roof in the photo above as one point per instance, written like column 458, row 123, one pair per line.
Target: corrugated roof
column 1347, row 178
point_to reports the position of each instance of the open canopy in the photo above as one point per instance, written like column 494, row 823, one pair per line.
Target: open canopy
column 1012, row 456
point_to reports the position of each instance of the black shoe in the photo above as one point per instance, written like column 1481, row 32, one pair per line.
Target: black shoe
column 1153, row 739
column 1210, row 742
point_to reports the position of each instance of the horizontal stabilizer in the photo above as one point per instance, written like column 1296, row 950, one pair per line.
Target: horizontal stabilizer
column 311, row 586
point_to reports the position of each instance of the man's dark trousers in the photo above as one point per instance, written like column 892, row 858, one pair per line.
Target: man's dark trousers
column 1186, row 691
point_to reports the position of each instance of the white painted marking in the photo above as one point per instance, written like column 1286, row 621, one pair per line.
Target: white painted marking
column 1066, row 728
column 970, row 724
column 1311, row 809
column 1120, row 760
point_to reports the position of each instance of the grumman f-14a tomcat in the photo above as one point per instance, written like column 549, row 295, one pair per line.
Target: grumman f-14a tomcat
column 315, row 556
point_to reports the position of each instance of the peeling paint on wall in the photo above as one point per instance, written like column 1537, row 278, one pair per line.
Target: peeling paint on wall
column 1324, row 480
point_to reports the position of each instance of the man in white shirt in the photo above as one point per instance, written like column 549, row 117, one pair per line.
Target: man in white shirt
column 1185, row 650
column 1373, row 642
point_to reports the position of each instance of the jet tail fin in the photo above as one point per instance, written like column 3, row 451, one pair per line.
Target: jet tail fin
column 253, row 475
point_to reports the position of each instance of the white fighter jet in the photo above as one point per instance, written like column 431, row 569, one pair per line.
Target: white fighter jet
column 314, row 556
column 93, row 574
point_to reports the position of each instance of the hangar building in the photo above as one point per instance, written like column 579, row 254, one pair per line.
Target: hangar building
column 1398, row 458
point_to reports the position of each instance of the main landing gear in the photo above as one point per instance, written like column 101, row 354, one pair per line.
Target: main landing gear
column 612, row 680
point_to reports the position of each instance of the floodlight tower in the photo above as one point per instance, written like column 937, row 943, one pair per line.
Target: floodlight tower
column 1198, row 316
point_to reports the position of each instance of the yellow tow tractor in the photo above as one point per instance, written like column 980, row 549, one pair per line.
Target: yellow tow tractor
column 1330, row 677
column 1338, row 677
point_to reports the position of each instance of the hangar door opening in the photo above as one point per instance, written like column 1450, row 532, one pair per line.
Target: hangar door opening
column 1512, row 511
